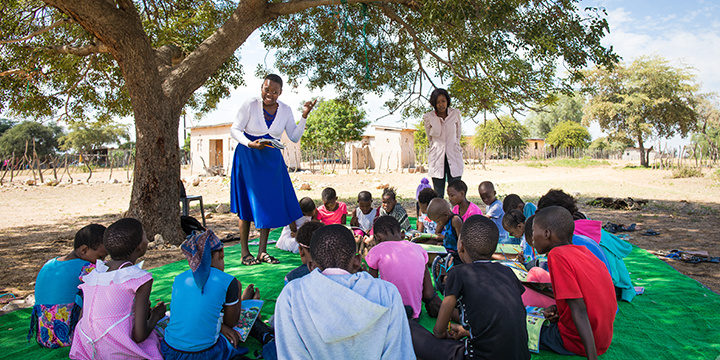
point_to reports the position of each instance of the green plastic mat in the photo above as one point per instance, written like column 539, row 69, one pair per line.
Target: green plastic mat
column 676, row 318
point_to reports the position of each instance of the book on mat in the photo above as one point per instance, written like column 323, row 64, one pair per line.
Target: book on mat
column 434, row 249
column 508, row 249
column 535, row 320
column 249, row 311
column 272, row 142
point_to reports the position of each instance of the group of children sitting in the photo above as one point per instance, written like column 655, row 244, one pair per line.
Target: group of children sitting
column 330, row 307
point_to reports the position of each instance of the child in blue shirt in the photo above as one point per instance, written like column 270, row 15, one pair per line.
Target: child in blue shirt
column 57, row 304
column 198, row 328
column 494, row 210
column 513, row 201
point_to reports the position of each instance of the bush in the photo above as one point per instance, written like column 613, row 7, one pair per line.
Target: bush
column 686, row 172
column 716, row 175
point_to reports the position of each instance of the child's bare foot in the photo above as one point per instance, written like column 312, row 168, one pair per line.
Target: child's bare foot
column 250, row 293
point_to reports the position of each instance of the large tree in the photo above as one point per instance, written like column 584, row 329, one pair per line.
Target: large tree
column 500, row 134
column 566, row 108
column 28, row 136
column 333, row 122
column 649, row 97
column 569, row 135
column 73, row 59
column 84, row 137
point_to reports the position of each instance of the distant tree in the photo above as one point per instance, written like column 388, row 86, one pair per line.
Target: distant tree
column 332, row 123
column 708, row 136
column 421, row 140
column 84, row 137
column 566, row 108
column 569, row 135
column 646, row 98
column 186, row 145
column 127, row 145
column 604, row 143
column 45, row 139
column 5, row 125
column 498, row 134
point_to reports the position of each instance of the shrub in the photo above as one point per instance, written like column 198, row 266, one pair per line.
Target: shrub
column 686, row 172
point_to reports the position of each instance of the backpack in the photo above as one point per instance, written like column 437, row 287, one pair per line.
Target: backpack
column 189, row 224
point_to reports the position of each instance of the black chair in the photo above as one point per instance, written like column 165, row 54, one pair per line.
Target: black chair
column 185, row 202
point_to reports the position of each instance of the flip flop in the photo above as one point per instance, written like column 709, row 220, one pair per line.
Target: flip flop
column 650, row 232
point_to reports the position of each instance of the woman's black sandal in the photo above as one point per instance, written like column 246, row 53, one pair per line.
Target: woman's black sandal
column 265, row 257
column 250, row 260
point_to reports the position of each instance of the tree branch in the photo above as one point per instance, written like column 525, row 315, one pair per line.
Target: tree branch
column 80, row 51
column 409, row 29
column 295, row 6
column 38, row 32
column 13, row 72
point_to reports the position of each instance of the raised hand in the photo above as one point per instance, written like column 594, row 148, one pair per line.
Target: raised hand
column 307, row 108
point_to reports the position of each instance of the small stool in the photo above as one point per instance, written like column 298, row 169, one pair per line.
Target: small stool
column 185, row 201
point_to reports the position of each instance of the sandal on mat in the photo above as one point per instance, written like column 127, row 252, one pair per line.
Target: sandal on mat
column 265, row 257
column 250, row 260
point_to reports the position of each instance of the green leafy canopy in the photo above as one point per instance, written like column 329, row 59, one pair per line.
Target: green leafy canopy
column 501, row 133
column 566, row 108
column 84, row 137
column 569, row 135
column 29, row 136
column 333, row 122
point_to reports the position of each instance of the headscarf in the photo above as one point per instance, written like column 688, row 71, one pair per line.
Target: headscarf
column 197, row 248
column 424, row 184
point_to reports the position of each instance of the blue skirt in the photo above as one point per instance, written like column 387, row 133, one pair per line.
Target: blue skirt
column 260, row 188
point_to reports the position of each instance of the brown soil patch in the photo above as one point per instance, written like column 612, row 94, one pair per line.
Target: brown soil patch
column 40, row 221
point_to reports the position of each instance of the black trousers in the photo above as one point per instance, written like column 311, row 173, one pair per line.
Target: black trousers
column 439, row 183
column 428, row 347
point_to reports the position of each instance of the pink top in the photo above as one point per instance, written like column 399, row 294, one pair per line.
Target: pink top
column 471, row 210
column 589, row 228
column 332, row 217
column 403, row 264
column 104, row 331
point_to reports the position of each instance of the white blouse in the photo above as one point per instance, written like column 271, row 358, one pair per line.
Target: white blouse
column 250, row 119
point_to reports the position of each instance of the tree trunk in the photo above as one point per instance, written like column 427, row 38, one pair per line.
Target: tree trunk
column 643, row 156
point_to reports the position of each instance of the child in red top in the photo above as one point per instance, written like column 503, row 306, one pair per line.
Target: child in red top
column 582, row 321
column 332, row 211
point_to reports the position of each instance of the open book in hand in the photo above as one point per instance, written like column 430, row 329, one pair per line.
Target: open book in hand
column 249, row 311
column 272, row 142
column 535, row 320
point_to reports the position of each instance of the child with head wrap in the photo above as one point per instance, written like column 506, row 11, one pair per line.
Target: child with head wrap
column 197, row 327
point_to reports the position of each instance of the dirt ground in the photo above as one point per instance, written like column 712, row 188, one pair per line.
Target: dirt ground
column 40, row 221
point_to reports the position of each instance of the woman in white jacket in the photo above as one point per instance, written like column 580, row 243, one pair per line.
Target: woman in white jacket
column 444, row 129
column 261, row 190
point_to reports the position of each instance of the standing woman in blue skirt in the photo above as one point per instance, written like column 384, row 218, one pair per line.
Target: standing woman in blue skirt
column 261, row 190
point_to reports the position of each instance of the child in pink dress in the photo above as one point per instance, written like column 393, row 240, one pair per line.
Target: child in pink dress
column 332, row 211
column 117, row 322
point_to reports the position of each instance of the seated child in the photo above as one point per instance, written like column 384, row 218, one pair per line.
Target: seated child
column 456, row 194
column 303, row 239
column 582, row 322
column 364, row 215
column 402, row 263
column 513, row 201
column 287, row 237
column 57, row 304
column 514, row 223
column 117, row 321
column 336, row 312
column 480, row 289
column 332, row 211
column 494, row 210
column 423, row 223
column 391, row 207
column 205, row 304
column 450, row 223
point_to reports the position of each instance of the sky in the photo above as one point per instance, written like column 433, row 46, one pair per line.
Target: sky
column 687, row 33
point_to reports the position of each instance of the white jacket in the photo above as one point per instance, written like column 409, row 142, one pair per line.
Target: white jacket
column 444, row 140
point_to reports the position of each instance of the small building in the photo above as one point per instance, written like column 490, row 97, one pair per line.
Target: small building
column 536, row 147
column 212, row 148
column 383, row 148
column 633, row 154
